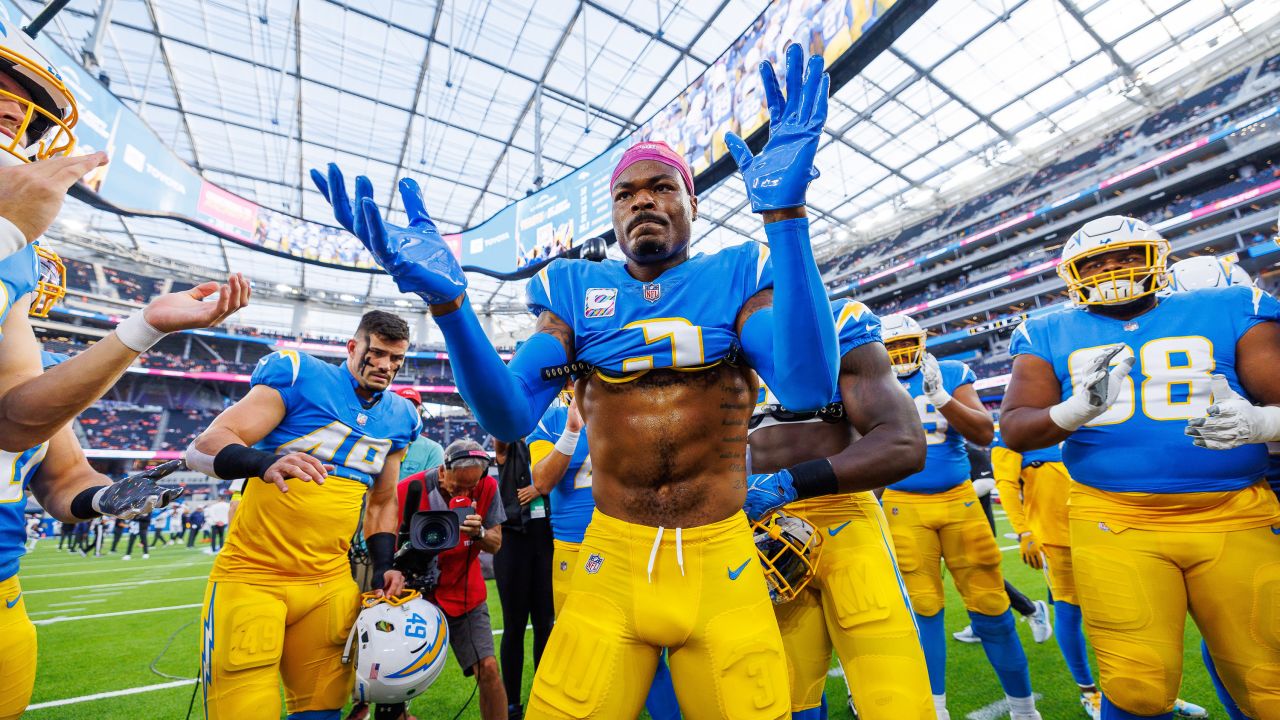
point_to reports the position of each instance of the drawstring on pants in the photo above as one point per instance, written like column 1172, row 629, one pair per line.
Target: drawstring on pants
column 657, row 542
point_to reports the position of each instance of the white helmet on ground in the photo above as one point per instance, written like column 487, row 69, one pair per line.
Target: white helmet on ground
column 1206, row 271
column 1114, row 287
column 907, row 356
column 48, row 115
column 402, row 646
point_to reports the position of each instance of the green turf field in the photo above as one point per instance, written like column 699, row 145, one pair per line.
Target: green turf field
column 157, row 605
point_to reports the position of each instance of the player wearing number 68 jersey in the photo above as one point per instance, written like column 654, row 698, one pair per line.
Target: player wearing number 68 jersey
column 1158, row 525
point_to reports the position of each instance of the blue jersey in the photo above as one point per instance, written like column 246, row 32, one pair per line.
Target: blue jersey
column 571, row 500
column 16, row 471
column 946, row 462
column 327, row 419
column 683, row 319
column 19, row 274
column 1139, row 444
column 1053, row 453
column 855, row 326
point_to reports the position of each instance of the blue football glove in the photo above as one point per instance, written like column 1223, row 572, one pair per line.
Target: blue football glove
column 768, row 492
column 778, row 177
column 416, row 257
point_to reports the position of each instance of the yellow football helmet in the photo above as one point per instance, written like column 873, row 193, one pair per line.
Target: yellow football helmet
column 51, row 286
column 896, row 330
column 1114, row 287
column 48, row 108
column 788, row 548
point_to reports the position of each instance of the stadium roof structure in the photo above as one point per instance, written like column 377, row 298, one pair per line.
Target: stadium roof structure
column 478, row 99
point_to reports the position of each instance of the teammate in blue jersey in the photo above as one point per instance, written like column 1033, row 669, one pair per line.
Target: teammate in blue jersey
column 935, row 517
column 65, row 485
column 1160, row 523
column 561, row 462
column 330, row 438
column 660, row 345
column 854, row 601
column 37, row 119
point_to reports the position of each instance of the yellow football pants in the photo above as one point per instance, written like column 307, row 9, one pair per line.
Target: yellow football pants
column 1044, row 500
column 17, row 651
column 254, row 636
column 636, row 589
column 946, row 527
column 1135, row 589
column 563, row 561
column 857, row 603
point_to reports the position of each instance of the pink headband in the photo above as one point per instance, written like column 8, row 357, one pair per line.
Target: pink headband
column 658, row 151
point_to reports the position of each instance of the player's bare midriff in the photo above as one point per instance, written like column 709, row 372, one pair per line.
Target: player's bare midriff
column 778, row 446
column 669, row 448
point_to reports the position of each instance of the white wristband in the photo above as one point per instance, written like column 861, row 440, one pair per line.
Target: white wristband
column 137, row 334
column 568, row 442
column 11, row 238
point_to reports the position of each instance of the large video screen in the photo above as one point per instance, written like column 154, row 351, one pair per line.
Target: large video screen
column 145, row 177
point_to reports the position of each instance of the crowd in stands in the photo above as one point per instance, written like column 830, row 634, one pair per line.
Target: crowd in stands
column 184, row 426
column 119, row 426
column 132, row 286
column 79, row 274
column 873, row 256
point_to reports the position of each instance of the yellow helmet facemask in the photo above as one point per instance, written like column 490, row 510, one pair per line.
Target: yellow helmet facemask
column 906, row 358
column 788, row 548
column 51, row 286
column 49, row 116
column 1117, row 287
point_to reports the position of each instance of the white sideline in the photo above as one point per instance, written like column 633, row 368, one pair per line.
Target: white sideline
column 141, row 565
column 142, row 611
column 144, row 688
column 116, row 585
column 104, row 695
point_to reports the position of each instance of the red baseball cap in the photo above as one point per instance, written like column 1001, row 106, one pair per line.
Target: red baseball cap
column 409, row 393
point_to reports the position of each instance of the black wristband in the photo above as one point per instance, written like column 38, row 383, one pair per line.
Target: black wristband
column 82, row 504
column 814, row 478
column 382, row 552
column 236, row 461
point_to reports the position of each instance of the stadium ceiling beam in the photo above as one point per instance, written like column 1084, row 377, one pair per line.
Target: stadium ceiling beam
column 986, row 119
column 173, row 81
column 622, row 20
column 566, row 97
column 865, row 153
column 684, row 52
column 297, row 105
column 423, row 71
column 1126, row 70
column 528, row 104
column 297, row 74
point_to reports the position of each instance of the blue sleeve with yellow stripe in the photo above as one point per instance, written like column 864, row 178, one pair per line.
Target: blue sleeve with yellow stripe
column 856, row 325
column 19, row 274
column 279, row 371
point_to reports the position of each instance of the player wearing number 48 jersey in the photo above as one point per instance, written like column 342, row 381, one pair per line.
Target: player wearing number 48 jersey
column 280, row 598
column 1160, row 524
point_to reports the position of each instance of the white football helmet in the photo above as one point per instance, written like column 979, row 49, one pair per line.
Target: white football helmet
column 402, row 646
column 787, row 546
column 1114, row 287
column 1206, row 271
column 48, row 115
column 908, row 356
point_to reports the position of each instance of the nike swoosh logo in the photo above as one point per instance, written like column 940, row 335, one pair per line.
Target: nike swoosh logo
column 14, row 601
column 833, row 530
column 733, row 574
column 969, row 503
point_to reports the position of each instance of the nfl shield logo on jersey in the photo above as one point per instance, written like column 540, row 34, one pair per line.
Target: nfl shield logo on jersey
column 652, row 291
column 361, row 419
column 593, row 563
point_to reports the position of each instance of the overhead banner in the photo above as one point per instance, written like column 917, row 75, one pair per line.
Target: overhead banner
column 145, row 178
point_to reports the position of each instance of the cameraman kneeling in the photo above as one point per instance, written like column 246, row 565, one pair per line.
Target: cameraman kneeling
column 459, row 588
